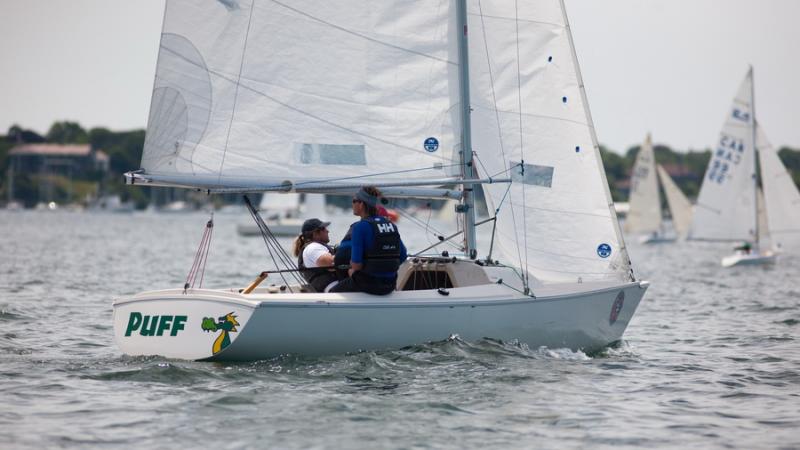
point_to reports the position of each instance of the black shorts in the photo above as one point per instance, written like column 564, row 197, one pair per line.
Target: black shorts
column 361, row 282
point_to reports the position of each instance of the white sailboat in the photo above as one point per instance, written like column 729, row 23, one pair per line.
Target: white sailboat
column 644, row 217
column 401, row 97
column 730, row 206
column 680, row 208
column 281, row 212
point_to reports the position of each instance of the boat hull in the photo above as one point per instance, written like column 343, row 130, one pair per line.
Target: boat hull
column 749, row 259
column 267, row 325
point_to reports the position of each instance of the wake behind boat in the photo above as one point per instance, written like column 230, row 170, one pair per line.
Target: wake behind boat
column 398, row 97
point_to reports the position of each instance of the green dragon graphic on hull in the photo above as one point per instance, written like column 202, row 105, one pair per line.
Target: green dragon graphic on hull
column 227, row 324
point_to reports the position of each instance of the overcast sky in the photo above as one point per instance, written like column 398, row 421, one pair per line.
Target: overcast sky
column 670, row 67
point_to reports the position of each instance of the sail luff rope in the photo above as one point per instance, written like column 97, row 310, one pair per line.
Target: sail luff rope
column 521, row 148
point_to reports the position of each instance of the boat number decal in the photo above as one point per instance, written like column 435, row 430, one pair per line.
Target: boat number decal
column 604, row 250
column 616, row 307
column 431, row 144
column 226, row 324
column 154, row 325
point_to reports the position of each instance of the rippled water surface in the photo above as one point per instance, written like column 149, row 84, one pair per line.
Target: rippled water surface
column 711, row 358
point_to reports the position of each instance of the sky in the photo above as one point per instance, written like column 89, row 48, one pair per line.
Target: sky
column 668, row 67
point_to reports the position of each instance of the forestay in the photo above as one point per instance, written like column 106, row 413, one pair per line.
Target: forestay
column 726, row 205
column 530, row 119
column 679, row 206
column 246, row 96
column 781, row 196
column 645, row 203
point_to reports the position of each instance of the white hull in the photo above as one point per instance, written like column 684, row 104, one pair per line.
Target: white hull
column 753, row 258
column 584, row 316
column 281, row 228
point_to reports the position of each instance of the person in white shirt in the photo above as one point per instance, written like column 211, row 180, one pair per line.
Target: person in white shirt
column 314, row 257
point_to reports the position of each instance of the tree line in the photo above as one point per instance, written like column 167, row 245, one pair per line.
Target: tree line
column 124, row 149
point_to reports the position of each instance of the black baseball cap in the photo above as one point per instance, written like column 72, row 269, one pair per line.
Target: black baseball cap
column 313, row 224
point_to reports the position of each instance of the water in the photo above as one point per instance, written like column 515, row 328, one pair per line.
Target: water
column 711, row 359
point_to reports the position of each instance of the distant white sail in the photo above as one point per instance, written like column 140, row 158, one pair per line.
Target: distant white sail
column 530, row 119
column 781, row 196
column 764, row 236
column 679, row 206
column 726, row 205
column 644, row 215
column 245, row 95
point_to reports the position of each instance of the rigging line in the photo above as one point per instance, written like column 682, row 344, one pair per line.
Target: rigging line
column 539, row 22
column 420, row 224
column 273, row 247
column 529, row 294
column 355, row 177
column 499, row 130
column 475, row 155
column 210, row 229
column 564, row 212
column 345, row 30
column 538, row 116
column 236, row 95
column 285, row 258
column 521, row 143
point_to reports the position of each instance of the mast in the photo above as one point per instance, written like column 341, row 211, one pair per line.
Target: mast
column 467, row 168
column 755, row 152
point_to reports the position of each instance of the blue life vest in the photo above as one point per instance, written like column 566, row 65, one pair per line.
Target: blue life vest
column 384, row 254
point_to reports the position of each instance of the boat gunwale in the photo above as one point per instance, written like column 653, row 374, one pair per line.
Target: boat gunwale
column 509, row 296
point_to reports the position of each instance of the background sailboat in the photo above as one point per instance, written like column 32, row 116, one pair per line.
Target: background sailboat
column 645, row 216
column 680, row 208
column 282, row 212
column 781, row 197
column 398, row 96
column 731, row 204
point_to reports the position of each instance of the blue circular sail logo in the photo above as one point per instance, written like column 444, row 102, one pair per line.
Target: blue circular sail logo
column 604, row 250
column 431, row 144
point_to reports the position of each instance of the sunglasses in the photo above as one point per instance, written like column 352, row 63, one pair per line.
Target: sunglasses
column 355, row 200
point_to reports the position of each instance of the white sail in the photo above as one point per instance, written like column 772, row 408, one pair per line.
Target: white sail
column 781, row 196
column 245, row 95
column 530, row 118
column 679, row 206
column 726, row 205
column 764, row 237
column 644, row 215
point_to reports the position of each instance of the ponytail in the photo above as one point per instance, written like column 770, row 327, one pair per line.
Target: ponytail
column 299, row 243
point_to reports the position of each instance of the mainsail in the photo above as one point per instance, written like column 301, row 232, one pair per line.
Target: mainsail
column 645, row 202
column 782, row 199
column 679, row 206
column 530, row 118
column 726, row 205
column 245, row 95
